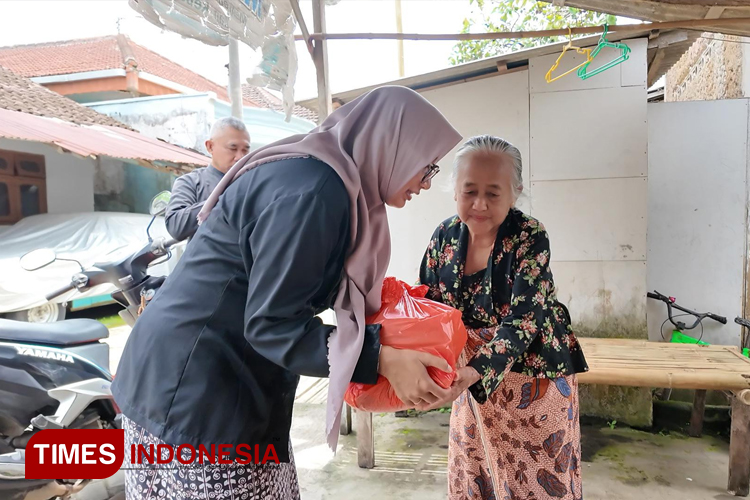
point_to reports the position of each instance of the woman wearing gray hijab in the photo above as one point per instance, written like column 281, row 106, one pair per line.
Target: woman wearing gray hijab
column 292, row 229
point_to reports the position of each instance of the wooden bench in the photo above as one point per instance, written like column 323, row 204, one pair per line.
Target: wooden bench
column 639, row 363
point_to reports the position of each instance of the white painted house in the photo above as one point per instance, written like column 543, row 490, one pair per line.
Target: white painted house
column 149, row 92
column 53, row 152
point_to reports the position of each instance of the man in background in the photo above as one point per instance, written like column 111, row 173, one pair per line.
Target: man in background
column 229, row 141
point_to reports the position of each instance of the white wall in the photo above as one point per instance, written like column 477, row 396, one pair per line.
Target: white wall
column 746, row 67
column 70, row 179
column 584, row 147
column 698, row 174
column 589, row 181
column 585, row 174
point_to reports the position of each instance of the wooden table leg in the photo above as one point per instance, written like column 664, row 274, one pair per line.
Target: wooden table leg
column 696, row 418
column 346, row 420
column 739, row 449
column 365, row 440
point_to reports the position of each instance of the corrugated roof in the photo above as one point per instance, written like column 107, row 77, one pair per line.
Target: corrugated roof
column 95, row 54
column 61, row 58
column 21, row 94
column 96, row 140
column 674, row 10
column 675, row 43
column 267, row 100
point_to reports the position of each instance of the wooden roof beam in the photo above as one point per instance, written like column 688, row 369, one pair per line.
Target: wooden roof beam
column 673, row 10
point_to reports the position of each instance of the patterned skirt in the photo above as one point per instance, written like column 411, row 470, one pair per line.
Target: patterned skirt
column 204, row 482
column 524, row 442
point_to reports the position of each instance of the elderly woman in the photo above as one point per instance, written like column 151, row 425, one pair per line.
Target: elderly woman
column 514, row 432
column 300, row 227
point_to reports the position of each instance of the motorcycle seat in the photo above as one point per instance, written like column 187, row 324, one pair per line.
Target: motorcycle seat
column 64, row 333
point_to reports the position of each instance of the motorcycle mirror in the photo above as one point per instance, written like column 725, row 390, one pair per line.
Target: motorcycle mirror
column 159, row 203
column 37, row 259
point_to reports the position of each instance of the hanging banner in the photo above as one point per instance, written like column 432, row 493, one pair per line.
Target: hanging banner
column 265, row 24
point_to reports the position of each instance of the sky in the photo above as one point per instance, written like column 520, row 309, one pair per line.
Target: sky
column 352, row 64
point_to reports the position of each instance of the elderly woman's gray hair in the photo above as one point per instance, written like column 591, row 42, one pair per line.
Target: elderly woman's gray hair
column 489, row 145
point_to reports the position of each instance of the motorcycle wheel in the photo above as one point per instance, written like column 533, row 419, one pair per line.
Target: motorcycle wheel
column 46, row 313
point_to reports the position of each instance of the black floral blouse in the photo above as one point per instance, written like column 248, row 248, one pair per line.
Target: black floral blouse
column 512, row 305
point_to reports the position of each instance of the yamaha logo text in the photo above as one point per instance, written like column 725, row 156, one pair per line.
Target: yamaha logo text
column 43, row 353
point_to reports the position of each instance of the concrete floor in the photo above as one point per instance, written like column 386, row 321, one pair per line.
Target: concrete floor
column 411, row 461
column 411, row 457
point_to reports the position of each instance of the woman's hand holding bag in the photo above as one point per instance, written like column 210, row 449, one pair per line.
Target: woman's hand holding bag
column 406, row 371
column 421, row 341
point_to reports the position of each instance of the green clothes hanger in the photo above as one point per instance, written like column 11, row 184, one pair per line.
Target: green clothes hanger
column 624, row 55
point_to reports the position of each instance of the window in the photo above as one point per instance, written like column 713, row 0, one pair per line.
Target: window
column 4, row 200
column 23, row 186
column 6, row 162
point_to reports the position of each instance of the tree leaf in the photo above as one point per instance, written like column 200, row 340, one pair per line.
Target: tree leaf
column 519, row 15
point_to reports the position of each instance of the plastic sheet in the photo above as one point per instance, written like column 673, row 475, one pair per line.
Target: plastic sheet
column 86, row 237
column 278, row 69
column 410, row 321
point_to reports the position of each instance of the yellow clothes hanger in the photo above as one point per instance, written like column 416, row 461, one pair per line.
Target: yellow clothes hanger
column 567, row 47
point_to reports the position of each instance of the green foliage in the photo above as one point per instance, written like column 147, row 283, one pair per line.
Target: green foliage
column 518, row 15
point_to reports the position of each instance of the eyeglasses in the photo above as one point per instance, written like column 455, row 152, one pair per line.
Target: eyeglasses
column 432, row 171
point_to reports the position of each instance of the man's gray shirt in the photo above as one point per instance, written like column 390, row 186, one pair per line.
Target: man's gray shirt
column 189, row 193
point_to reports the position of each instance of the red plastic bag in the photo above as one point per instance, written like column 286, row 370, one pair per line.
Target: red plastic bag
column 410, row 321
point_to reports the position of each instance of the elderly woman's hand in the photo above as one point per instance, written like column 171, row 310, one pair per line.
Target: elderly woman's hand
column 465, row 378
column 406, row 371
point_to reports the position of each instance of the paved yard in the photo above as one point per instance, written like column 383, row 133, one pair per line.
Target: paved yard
column 411, row 457
column 411, row 461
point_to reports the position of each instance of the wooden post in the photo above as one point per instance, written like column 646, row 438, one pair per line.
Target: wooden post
column 346, row 420
column 696, row 418
column 302, row 26
column 739, row 449
column 714, row 12
column 400, row 29
column 616, row 31
column 320, row 57
column 655, row 66
column 365, row 440
column 235, row 87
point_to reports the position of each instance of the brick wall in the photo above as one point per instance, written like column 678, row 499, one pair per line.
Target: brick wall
column 711, row 69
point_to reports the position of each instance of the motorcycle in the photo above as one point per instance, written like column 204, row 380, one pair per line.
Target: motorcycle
column 56, row 375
